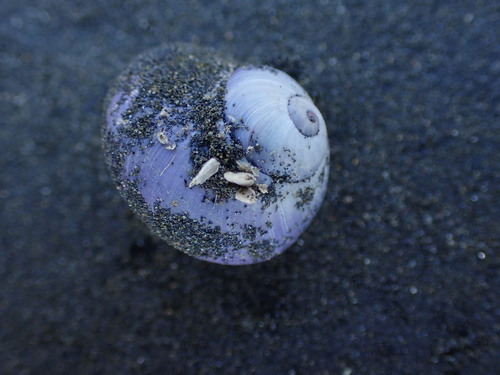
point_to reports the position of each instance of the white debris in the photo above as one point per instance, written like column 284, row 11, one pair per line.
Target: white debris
column 246, row 195
column 207, row 170
column 165, row 112
column 168, row 165
column 245, row 166
column 163, row 139
column 171, row 146
column 240, row 178
column 262, row 188
column 120, row 122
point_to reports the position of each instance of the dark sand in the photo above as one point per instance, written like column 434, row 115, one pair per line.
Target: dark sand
column 398, row 274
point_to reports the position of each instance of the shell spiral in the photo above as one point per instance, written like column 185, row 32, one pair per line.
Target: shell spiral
column 226, row 162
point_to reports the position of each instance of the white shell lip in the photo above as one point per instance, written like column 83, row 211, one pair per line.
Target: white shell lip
column 277, row 122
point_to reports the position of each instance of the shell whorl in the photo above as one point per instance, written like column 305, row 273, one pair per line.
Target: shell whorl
column 212, row 176
column 276, row 122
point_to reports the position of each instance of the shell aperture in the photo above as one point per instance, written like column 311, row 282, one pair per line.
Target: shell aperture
column 226, row 164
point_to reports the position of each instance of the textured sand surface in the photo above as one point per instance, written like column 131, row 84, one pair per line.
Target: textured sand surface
column 398, row 274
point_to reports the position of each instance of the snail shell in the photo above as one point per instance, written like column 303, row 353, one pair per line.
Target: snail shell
column 226, row 162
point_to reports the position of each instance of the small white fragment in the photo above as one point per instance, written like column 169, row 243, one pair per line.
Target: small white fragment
column 246, row 195
column 165, row 112
column 240, row 178
column 171, row 146
column 134, row 93
column 163, row 139
column 168, row 165
column 245, row 166
column 262, row 188
column 207, row 170
column 120, row 122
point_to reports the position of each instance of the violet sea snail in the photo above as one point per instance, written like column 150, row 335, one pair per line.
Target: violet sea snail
column 224, row 161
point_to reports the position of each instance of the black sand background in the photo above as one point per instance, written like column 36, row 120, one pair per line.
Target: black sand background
column 398, row 274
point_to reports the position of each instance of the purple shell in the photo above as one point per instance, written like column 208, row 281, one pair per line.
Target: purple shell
column 177, row 107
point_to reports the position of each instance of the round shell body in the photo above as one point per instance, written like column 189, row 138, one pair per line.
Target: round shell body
column 226, row 162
